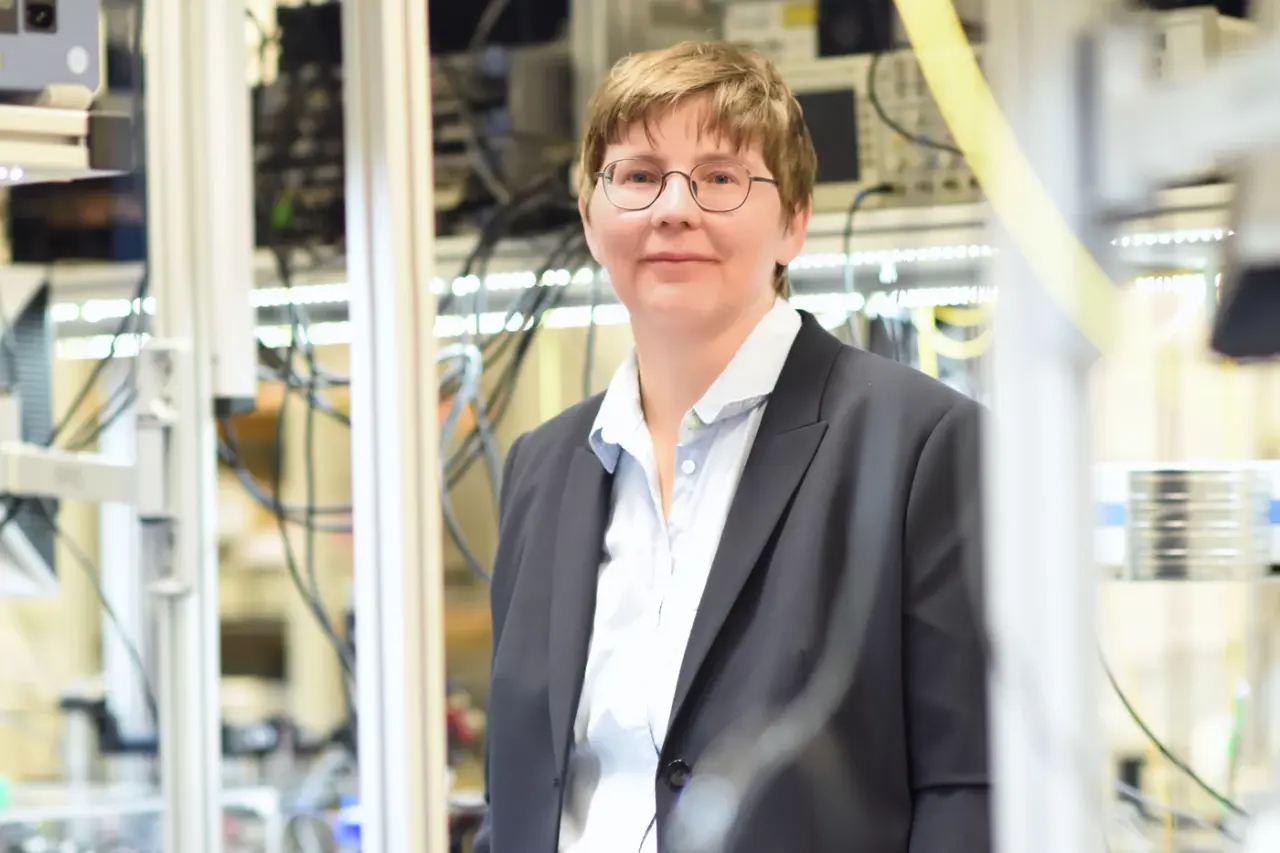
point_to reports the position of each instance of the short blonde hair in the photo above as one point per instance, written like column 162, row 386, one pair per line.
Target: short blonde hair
column 749, row 104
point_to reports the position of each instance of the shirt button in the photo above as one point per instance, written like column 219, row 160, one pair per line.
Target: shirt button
column 677, row 774
column 688, row 466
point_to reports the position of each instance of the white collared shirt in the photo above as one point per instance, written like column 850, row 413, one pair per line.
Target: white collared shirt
column 651, row 581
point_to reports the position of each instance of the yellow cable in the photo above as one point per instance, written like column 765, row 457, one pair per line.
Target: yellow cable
column 922, row 318
column 1072, row 276
column 957, row 316
column 938, row 343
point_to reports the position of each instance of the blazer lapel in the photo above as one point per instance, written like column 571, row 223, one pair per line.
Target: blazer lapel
column 785, row 444
column 584, row 512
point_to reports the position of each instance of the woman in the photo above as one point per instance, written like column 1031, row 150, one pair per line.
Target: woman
column 669, row 550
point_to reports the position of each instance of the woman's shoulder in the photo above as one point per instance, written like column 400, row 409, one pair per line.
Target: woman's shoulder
column 862, row 381
column 547, row 448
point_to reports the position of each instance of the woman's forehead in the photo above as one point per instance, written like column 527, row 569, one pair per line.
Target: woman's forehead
column 684, row 129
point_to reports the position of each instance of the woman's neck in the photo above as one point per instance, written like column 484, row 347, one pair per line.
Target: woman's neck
column 677, row 369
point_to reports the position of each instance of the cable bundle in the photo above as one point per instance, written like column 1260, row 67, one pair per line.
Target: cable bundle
column 468, row 366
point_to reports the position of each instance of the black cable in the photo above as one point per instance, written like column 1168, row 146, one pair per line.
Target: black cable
column 92, row 573
column 311, row 384
column 1182, row 766
column 469, row 366
column 545, row 194
column 310, row 594
column 500, row 398
column 309, row 588
column 271, row 365
column 309, row 478
column 229, row 455
column 858, row 200
column 513, row 341
column 531, row 306
column 874, row 97
column 342, row 648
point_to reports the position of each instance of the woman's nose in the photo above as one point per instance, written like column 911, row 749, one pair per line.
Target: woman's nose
column 676, row 201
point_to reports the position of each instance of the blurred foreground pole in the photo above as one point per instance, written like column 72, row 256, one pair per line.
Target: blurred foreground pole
column 1041, row 579
column 395, row 463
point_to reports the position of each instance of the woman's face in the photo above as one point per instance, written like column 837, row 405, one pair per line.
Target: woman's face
column 673, row 264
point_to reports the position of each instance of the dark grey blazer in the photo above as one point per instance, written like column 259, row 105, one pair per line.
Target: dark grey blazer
column 904, row 758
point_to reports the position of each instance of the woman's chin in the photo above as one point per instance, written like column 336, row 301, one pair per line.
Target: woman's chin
column 681, row 305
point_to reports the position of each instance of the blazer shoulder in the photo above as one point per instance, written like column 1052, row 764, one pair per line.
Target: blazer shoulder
column 918, row 401
column 548, row 445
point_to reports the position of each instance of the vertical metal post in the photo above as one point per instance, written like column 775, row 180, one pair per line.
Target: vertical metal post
column 1042, row 584
column 197, row 202
column 125, row 585
column 396, row 474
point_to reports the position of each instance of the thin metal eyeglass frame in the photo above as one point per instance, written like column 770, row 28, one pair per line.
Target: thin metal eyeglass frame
column 603, row 175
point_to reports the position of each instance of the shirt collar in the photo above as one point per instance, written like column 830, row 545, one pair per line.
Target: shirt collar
column 745, row 383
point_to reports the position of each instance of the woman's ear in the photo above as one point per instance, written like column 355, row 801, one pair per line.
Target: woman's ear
column 584, row 211
column 795, row 231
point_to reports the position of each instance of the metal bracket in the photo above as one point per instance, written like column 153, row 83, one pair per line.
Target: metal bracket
column 158, row 363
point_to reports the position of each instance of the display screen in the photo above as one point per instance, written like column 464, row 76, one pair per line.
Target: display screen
column 832, row 117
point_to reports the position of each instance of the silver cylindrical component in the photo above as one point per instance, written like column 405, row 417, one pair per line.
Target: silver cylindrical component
column 1198, row 524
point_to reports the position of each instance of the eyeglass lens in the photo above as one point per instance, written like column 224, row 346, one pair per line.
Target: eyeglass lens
column 636, row 184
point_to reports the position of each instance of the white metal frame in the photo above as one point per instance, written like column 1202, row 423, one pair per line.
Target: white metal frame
column 395, row 464
column 1047, row 763
column 195, row 53
column 1041, row 588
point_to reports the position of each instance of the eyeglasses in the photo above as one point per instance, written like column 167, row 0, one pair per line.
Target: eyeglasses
column 716, row 187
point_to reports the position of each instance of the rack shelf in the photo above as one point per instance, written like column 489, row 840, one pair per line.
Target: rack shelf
column 45, row 144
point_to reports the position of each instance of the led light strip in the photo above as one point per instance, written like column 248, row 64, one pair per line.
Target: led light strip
column 831, row 309
column 1187, row 283
column 336, row 293
column 1174, row 238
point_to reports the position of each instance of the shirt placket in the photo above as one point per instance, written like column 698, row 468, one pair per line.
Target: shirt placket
column 668, row 634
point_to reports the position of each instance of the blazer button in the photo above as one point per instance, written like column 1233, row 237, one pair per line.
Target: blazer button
column 677, row 773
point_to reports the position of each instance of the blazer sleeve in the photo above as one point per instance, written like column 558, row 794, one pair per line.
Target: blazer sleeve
column 499, row 597
column 945, row 653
